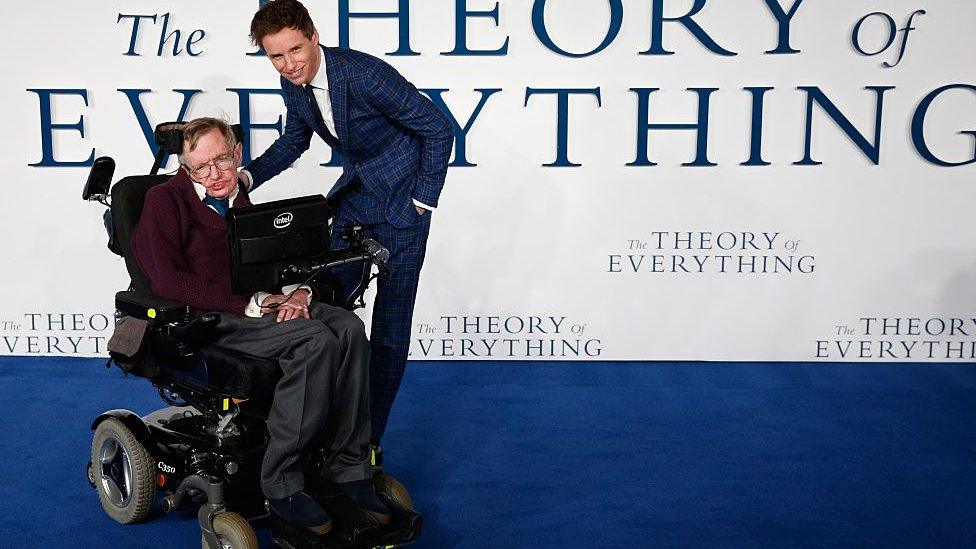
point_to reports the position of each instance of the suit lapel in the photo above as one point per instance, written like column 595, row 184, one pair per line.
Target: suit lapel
column 337, row 92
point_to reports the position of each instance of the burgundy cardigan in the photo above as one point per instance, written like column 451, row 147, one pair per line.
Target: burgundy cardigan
column 181, row 245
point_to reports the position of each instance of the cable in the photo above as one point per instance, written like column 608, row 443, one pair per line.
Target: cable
column 273, row 306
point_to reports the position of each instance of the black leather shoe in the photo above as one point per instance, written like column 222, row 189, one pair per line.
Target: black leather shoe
column 361, row 492
column 302, row 510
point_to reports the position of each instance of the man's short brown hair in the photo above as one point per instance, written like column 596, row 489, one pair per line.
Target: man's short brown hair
column 198, row 127
column 281, row 14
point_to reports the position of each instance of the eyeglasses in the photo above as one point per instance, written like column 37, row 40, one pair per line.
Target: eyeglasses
column 222, row 163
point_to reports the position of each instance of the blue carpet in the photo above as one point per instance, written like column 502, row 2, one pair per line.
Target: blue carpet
column 518, row 454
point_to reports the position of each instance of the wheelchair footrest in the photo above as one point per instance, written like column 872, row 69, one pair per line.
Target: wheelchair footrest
column 352, row 529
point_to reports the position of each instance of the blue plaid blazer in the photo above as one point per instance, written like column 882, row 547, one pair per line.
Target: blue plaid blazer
column 390, row 136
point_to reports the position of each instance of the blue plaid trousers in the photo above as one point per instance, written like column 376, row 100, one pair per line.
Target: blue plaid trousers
column 396, row 293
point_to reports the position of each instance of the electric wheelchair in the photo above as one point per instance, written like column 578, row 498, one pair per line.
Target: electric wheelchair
column 206, row 446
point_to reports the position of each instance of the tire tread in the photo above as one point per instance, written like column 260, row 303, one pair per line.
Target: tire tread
column 231, row 525
column 143, row 473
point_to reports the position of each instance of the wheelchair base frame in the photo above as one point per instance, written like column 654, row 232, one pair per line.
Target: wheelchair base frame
column 194, row 464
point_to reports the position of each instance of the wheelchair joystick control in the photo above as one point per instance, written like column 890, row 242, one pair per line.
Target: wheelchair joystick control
column 377, row 253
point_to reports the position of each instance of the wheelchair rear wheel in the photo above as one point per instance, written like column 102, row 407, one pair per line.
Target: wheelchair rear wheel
column 233, row 532
column 123, row 473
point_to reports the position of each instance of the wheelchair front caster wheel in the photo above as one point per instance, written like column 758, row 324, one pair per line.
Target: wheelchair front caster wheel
column 123, row 473
column 391, row 488
column 233, row 532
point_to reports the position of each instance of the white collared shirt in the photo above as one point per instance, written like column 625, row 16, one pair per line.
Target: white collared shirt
column 320, row 88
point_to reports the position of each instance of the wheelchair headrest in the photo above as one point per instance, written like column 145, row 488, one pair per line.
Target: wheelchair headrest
column 169, row 136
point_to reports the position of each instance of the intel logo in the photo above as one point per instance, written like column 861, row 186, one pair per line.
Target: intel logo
column 283, row 220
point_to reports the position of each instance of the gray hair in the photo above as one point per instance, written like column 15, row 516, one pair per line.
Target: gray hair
column 198, row 127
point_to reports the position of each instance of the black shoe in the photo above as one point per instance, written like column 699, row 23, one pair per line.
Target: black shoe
column 304, row 511
column 362, row 493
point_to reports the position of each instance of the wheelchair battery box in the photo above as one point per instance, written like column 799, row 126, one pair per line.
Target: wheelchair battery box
column 276, row 243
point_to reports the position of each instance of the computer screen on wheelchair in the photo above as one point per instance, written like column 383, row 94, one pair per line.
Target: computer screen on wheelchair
column 277, row 243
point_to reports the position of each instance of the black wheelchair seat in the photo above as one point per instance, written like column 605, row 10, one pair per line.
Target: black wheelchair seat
column 128, row 196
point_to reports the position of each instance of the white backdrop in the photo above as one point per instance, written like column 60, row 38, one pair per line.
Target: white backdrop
column 530, row 261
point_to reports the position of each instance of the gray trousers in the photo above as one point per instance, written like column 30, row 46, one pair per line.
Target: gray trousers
column 323, row 390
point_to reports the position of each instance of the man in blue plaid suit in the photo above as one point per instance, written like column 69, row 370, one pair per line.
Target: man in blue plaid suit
column 395, row 146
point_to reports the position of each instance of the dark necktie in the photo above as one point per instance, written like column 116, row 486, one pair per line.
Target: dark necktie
column 317, row 112
column 219, row 204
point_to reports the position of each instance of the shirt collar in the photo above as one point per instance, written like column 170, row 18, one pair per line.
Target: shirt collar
column 202, row 192
column 321, row 78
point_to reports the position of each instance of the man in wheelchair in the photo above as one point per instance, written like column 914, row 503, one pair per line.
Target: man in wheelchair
column 181, row 244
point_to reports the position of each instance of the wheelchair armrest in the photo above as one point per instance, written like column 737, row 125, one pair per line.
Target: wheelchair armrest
column 150, row 307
